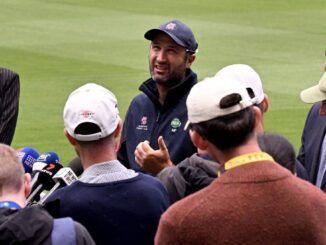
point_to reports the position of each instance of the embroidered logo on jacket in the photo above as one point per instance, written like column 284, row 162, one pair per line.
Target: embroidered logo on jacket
column 175, row 124
column 143, row 124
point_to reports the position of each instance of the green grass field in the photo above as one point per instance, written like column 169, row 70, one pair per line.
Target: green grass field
column 58, row 45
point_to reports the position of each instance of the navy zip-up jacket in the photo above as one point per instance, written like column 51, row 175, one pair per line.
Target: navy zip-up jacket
column 146, row 119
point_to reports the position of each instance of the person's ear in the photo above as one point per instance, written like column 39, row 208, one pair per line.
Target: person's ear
column 266, row 103
column 118, row 129
column 27, row 184
column 258, row 118
column 69, row 137
column 198, row 140
column 190, row 60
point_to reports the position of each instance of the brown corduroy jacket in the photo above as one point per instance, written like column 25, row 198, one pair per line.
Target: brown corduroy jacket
column 258, row 203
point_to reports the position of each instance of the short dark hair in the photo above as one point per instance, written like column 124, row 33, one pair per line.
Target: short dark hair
column 279, row 148
column 228, row 131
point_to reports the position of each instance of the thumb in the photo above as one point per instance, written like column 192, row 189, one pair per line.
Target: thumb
column 161, row 144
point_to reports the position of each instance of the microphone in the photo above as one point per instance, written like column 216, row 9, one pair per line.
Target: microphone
column 27, row 157
column 64, row 177
column 46, row 166
column 44, row 181
column 43, row 160
column 37, row 167
column 49, row 157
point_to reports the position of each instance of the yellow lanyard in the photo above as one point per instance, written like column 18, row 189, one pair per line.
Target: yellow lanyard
column 247, row 159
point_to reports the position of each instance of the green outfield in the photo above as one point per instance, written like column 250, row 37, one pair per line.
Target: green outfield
column 58, row 45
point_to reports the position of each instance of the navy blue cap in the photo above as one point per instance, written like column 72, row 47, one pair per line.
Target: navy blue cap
column 178, row 31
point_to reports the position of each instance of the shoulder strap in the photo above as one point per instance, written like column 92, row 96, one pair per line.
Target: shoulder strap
column 63, row 232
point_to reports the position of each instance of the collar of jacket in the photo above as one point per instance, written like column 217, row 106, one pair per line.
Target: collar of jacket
column 175, row 93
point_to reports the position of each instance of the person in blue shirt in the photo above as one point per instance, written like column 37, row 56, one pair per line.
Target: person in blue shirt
column 116, row 204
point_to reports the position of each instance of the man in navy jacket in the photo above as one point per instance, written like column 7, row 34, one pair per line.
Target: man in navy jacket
column 160, row 110
column 159, row 114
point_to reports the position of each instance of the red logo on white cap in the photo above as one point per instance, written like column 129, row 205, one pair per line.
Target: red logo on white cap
column 86, row 114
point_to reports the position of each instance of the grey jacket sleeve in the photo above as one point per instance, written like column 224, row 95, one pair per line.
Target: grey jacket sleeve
column 188, row 176
column 174, row 182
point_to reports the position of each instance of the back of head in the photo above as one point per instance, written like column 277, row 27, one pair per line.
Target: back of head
column 91, row 113
column 279, row 148
column 246, row 75
column 11, row 171
column 221, row 111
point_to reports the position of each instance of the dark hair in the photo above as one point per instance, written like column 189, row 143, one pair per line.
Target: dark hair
column 279, row 148
column 228, row 131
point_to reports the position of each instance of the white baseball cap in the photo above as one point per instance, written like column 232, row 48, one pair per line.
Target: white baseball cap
column 203, row 102
column 91, row 103
column 315, row 93
column 247, row 76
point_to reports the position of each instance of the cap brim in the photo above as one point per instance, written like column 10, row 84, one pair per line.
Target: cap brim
column 186, row 126
column 312, row 95
column 150, row 35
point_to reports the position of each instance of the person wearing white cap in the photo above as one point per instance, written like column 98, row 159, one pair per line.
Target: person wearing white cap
column 116, row 204
column 312, row 153
column 197, row 171
column 247, row 76
column 241, row 73
column 255, row 200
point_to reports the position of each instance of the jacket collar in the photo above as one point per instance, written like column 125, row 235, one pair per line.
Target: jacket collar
column 175, row 93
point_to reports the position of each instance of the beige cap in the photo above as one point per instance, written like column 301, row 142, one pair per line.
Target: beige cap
column 315, row 93
column 203, row 102
column 247, row 76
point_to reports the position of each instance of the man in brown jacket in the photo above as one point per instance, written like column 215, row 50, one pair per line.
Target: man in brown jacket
column 255, row 200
